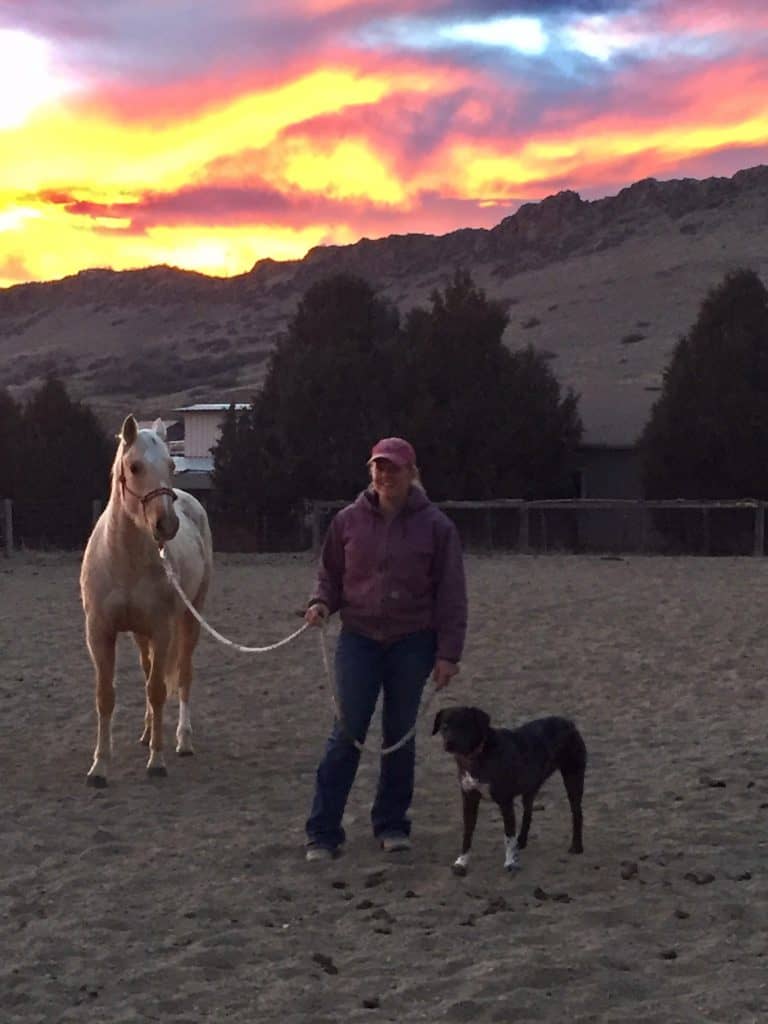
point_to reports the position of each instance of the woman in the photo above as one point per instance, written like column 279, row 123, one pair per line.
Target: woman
column 392, row 566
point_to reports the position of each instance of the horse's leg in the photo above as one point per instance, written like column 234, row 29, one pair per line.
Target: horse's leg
column 146, row 662
column 189, row 632
column 101, row 645
column 160, row 644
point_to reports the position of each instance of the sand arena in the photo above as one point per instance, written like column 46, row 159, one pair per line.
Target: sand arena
column 187, row 899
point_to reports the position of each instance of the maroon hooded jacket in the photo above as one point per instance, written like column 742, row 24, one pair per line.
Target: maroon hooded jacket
column 391, row 578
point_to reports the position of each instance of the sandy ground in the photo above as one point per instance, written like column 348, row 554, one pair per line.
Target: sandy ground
column 187, row 899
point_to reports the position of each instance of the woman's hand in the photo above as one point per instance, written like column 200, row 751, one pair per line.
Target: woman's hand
column 443, row 672
column 316, row 614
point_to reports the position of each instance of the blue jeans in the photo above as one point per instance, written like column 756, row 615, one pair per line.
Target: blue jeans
column 363, row 669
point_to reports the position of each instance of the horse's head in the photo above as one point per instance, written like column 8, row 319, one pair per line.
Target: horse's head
column 143, row 474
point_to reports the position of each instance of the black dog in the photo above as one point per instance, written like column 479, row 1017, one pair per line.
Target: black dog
column 509, row 763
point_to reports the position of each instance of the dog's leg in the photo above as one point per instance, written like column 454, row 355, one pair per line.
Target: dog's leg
column 511, row 863
column 469, row 802
column 522, row 839
column 574, row 787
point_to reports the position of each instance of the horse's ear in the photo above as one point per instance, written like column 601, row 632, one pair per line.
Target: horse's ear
column 129, row 430
column 159, row 428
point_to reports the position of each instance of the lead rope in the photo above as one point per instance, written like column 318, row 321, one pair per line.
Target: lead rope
column 330, row 677
column 174, row 580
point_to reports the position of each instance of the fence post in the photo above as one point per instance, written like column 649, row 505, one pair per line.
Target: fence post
column 524, row 536
column 759, row 549
column 8, row 527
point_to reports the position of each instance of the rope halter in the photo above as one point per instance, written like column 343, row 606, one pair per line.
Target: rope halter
column 157, row 492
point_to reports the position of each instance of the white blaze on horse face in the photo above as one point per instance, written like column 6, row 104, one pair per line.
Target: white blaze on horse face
column 511, row 860
column 156, row 474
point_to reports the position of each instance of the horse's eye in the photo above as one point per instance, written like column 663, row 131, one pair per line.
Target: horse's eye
column 135, row 468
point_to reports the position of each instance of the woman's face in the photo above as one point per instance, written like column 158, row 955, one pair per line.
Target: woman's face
column 390, row 481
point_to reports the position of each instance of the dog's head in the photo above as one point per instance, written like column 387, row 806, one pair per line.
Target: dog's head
column 464, row 730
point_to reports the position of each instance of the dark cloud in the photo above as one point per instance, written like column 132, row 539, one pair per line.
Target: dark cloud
column 212, row 206
column 541, row 8
column 164, row 42
column 206, row 205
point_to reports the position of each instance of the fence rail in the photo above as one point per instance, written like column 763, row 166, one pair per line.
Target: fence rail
column 727, row 527
column 569, row 525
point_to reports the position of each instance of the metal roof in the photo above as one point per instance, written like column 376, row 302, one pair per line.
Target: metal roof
column 193, row 463
column 213, row 407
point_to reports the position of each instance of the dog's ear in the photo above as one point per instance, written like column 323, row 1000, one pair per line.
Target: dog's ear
column 438, row 721
column 482, row 720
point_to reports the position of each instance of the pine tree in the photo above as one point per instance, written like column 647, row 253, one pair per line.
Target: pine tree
column 486, row 422
column 65, row 467
column 11, row 441
column 324, row 401
column 708, row 432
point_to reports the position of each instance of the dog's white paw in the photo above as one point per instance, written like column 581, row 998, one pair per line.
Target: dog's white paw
column 511, row 860
column 460, row 865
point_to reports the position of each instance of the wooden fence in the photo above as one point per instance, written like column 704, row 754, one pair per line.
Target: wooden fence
column 572, row 525
column 597, row 525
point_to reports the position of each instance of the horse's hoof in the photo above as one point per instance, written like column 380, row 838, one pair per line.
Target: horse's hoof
column 185, row 753
column 157, row 771
column 459, row 870
column 512, row 868
column 96, row 781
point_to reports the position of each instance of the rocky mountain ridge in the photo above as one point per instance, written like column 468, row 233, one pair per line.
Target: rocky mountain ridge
column 604, row 288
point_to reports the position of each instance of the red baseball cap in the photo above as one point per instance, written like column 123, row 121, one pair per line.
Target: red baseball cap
column 396, row 449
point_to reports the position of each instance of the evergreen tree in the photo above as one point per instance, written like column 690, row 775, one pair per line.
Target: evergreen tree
column 11, row 441
column 66, row 464
column 486, row 422
column 708, row 431
column 325, row 397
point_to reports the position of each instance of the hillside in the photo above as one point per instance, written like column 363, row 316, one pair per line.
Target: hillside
column 603, row 287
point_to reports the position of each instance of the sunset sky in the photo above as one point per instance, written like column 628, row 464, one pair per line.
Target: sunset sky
column 209, row 135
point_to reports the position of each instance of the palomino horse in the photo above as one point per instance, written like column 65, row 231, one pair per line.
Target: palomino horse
column 124, row 588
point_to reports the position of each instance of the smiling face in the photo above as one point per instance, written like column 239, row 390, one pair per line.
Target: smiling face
column 390, row 481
